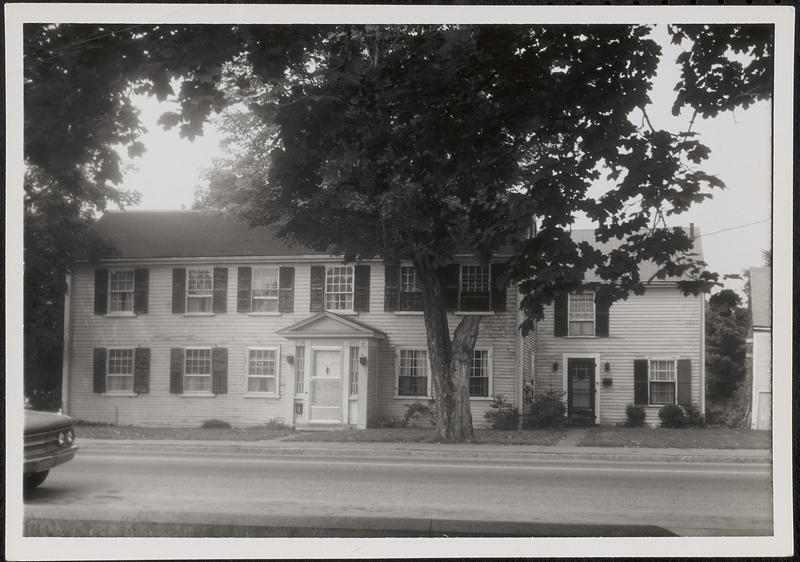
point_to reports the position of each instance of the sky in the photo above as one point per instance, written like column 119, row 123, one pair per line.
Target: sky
column 171, row 170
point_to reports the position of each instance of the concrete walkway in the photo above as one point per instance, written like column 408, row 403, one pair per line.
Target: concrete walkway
column 565, row 449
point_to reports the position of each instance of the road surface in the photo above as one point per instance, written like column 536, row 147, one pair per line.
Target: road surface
column 686, row 498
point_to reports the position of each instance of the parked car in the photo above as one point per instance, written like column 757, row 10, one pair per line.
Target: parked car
column 49, row 442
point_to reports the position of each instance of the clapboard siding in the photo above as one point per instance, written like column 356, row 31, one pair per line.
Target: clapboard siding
column 762, row 379
column 161, row 330
column 662, row 323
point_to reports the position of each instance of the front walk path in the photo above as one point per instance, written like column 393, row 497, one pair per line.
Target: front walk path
column 573, row 437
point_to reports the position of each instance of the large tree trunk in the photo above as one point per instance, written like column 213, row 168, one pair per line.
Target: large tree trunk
column 450, row 361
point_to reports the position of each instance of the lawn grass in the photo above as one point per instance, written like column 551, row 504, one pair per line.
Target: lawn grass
column 427, row 435
column 689, row 438
column 258, row 433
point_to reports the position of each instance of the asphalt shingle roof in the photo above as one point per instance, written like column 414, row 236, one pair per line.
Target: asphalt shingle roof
column 761, row 296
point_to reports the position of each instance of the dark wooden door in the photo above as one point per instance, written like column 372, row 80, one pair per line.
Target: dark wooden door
column 580, row 391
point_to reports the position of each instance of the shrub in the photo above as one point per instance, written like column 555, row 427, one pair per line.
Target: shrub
column 636, row 415
column 216, row 424
column 693, row 416
column 546, row 410
column 672, row 416
column 501, row 414
column 276, row 423
column 413, row 412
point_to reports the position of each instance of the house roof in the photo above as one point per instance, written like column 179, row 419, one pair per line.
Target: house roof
column 761, row 297
column 647, row 269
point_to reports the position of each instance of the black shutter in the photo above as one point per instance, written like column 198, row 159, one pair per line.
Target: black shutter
column 243, row 284
column 560, row 311
column 100, row 291
column 99, row 369
column 640, row 382
column 286, row 285
column 176, row 370
column 317, row 299
column 141, row 370
column 220, row 304
column 450, row 286
column 361, row 288
column 391, row 286
column 602, row 305
column 497, row 277
column 219, row 370
column 141, row 282
column 684, row 382
column 179, row 290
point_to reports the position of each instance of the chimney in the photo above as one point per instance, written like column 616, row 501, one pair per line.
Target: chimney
column 691, row 231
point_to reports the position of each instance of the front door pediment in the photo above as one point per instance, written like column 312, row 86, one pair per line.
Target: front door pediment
column 329, row 325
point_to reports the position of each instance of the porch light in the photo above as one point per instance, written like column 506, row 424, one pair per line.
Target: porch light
column 555, row 367
column 362, row 359
column 607, row 366
column 290, row 359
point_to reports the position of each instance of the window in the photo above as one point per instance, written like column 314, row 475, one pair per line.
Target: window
column 120, row 370
column 262, row 371
column 413, row 375
column 474, row 293
column 120, row 291
column 581, row 314
column 354, row 354
column 339, row 288
column 265, row 289
column 479, row 373
column 410, row 296
column 199, row 290
column 662, row 382
column 197, row 370
column 300, row 370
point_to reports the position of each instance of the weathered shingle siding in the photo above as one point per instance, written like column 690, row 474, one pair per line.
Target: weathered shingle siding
column 662, row 323
column 161, row 330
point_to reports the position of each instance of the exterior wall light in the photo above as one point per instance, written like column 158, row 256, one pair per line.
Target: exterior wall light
column 555, row 366
column 362, row 360
column 290, row 359
column 607, row 366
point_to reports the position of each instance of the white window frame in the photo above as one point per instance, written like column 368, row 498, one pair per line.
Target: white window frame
column 427, row 373
column 414, row 286
column 276, row 376
column 459, row 311
column 352, row 272
column 126, row 391
column 489, row 370
column 210, row 375
column 674, row 381
column 353, row 371
column 210, row 295
column 275, row 299
column 111, row 311
column 299, row 371
column 570, row 320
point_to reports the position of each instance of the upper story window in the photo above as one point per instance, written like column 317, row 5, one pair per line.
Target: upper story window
column 119, row 377
column 339, row 287
column 120, row 290
column 199, row 289
column 479, row 373
column 475, row 288
column 581, row 314
column 662, row 382
column 265, row 289
column 410, row 294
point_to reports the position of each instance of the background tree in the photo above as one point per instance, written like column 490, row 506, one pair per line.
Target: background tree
column 726, row 331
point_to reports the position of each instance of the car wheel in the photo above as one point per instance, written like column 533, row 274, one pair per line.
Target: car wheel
column 30, row 481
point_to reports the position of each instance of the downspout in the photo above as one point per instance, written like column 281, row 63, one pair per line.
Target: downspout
column 66, row 346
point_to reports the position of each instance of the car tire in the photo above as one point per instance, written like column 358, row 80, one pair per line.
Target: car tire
column 32, row 480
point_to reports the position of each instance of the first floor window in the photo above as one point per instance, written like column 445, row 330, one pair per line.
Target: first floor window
column 662, row 382
column 265, row 289
column 120, row 370
column 413, row 376
column 120, row 290
column 262, row 371
column 300, row 369
column 581, row 314
column 199, row 290
column 479, row 373
column 339, row 288
column 197, row 370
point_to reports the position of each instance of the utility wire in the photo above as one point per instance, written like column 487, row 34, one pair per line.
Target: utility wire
column 70, row 49
column 733, row 228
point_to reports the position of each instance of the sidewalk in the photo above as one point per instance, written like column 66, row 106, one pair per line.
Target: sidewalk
column 426, row 450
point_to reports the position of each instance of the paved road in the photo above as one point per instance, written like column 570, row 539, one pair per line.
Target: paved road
column 686, row 498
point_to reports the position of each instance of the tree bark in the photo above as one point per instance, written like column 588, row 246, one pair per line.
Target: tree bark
column 450, row 361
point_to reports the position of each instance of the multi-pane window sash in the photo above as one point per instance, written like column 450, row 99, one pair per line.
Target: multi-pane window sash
column 479, row 373
column 339, row 288
column 197, row 370
column 199, row 290
column 265, row 289
column 662, row 382
column 581, row 314
column 261, row 371
column 410, row 295
column 120, row 290
column 413, row 376
column 120, row 370
column 475, row 288
column 354, row 371
column 300, row 369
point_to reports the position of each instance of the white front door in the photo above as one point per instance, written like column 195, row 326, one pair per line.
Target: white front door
column 325, row 392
